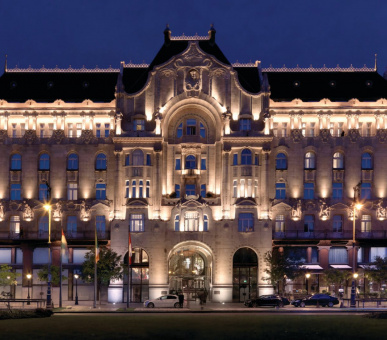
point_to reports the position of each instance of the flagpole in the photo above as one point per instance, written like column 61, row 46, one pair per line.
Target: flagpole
column 95, row 269
column 60, row 278
column 127, row 286
column 130, row 253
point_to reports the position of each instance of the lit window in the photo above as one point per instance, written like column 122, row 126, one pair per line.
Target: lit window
column 147, row 194
column 245, row 222
column 100, row 191
column 310, row 161
column 191, row 221
column 14, row 225
column 280, row 223
column 139, row 125
column 70, row 132
column 15, row 192
column 284, row 129
column 366, row 223
column 338, row 161
column 138, row 157
column 308, row 191
column 308, row 223
column 366, row 161
column 101, row 162
column 235, row 188
column 72, row 162
column 338, row 255
column 337, row 223
column 280, row 190
column 79, row 129
column 16, row 162
column 44, row 162
column 246, row 157
column 281, row 162
column 72, row 191
column 303, row 129
column 136, row 222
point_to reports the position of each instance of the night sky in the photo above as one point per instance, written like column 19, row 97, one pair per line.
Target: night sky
column 277, row 32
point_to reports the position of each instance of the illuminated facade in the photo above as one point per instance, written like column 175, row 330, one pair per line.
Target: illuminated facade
column 210, row 165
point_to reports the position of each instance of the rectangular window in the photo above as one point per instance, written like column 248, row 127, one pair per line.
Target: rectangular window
column 256, row 188
column 14, row 131
column 70, row 131
column 126, row 189
column 365, row 193
column 141, row 188
column 368, row 130
column 72, row 191
column 245, row 124
column 303, row 129
column 246, row 222
column 41, row 128
column 177, row 223
column 366, row 223
column 340, row 130
column 284, row 129
column 79, row 129
column 235, row 189
column 100, row 191
column 72, row 225
column 100, row 224
column 136, row 222
column 177, row 190
column 147, row 194
column 43, row 192
column 139, row 125
column 203, row 190
column 148, row 159
column 337, row 223
column 338, row 255
column 235, row 159
column 134, row 189
column 308, row 191
column 190, row 190
column 203, row 165
column 22, row 129
column 275, row 129
column 256, row 159
column 107, row 130
column 332, row 129
column 280, row 224
column 202, row 131
column 242, row 188
column 15, row 192
column 280, row 191
column 191, row 127
column 127, row 159
column 337, row 191
column 311, row 129
column 191, row 221
column 98, row 130
column 50, row 129
column 177, row 164
column 14, row 225
column 308, row 223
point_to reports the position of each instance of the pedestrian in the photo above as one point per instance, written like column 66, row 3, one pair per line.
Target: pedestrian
column 181, row 299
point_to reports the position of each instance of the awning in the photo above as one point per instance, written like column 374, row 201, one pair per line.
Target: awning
column 340, row 266
column 310, row 266
column 365, row 266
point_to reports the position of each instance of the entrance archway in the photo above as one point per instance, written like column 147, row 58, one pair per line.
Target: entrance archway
column 245, row 275
column 190, row 271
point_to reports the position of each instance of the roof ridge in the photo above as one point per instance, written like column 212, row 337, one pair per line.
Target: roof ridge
column 62, row 70
column 319, row 69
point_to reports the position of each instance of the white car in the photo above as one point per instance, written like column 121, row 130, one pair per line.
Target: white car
column 163, row 301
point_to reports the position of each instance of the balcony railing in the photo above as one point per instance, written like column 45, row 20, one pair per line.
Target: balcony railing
column 55, row 235
column 329, row 235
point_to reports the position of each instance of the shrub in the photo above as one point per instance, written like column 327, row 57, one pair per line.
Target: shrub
column 25, row 314
column 376, row 315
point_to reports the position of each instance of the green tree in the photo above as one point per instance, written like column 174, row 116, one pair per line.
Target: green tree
column 336, row 277
column 109, row 267
column 377, row 272
column 280, row 267
column 7, row 276
column 55, row 279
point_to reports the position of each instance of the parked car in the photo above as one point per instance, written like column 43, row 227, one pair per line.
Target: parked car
column 163, row 301
column 268, row 300
column 322, row 299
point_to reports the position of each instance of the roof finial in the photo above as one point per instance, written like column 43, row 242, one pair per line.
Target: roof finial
column 5, row 64
column 167, row 35
column 376, row 62
column 211, row 34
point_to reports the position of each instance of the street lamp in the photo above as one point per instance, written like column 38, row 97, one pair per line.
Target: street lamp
column 307, row 276
column 357, row 206
column 76, row 276
column 48, row 209
column 29, row 281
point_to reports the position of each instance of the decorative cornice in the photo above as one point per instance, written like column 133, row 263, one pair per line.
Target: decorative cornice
column 62, row 70
column 118, row 139
column 190, row 37
column 318, row 69
column 132, row 65
column 260, row 139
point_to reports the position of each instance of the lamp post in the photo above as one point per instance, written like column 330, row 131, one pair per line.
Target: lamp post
column 307, row 276
column 29, row 281
column 48, row 209
column 76, row 276
column 353, row 287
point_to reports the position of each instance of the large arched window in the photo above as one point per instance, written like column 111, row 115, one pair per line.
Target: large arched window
column 72, row 162
column 246, row 157
column 338, row 161
column 138, row 157
column 245, row 274
column 191, row 127
column 281, row 162
column 310, row 161
column 366, row 161
column 190, row 162
column 44, row 162
column 16, row 162
column 101, row 162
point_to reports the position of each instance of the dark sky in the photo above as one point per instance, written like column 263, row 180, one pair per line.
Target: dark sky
column 277, row 32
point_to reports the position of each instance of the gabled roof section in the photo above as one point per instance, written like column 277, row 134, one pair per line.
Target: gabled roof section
column 249, row 78
column 334, row 84
column 48, row 85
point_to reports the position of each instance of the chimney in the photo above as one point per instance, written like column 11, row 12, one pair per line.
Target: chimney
column 167, row 36
column 211, row 34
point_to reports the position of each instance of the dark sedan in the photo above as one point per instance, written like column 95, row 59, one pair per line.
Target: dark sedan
column 321, row 299
column 267, row 300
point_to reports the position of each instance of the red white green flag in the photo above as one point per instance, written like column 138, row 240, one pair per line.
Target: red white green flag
column 96, row 247
column 130, row 250
column 64, row 248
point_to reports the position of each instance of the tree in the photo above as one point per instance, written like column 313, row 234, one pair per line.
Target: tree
column 336, row 277
column 7, row 276
column 377, row 272
column 280, row 267
column 109, row 267
column 55, row 279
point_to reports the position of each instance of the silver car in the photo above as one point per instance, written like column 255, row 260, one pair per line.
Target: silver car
column 164, row 301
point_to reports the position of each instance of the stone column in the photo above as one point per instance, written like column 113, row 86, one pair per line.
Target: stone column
column 118, row 184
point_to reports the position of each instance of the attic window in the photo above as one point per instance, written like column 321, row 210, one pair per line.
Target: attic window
column 85, row 84
column 332, row 83
column 13, row 84
column 50, row 84
column 296, row 83
column 368, row 83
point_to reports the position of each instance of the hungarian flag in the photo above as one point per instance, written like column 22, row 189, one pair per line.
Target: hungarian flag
column 130, row 252
column 96, row 247
column 64, row 248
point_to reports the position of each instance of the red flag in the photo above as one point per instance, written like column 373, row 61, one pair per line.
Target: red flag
column 130, row 250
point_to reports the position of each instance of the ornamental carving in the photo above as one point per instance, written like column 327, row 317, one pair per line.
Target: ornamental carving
column 84, row 212
column 324, row 211
column 57, row 136
column 57, row 211
column 3, row 135
column 86, row 136
column 192, row 80
column 28, row 214
column 2, row 211
column 30, row 136
column 297, row 211
column 380, row 211
column 324, row 135
column 353, row 135
column 296, row 135
column 381, row 134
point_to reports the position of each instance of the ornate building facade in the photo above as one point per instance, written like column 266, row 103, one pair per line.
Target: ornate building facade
column 209, row 165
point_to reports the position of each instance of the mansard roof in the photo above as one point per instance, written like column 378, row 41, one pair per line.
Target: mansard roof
column 44, row 85
column 335, row 85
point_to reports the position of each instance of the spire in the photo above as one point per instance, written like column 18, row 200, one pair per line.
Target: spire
column 211, row 34
column 5, row 64
column 376, row 62
column 167, row 35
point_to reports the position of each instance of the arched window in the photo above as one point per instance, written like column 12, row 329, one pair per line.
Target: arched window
column 310, row 161
column 177, row 222
column 191, row 127
column 205, row 223
column 16, row 162
column 246, row 157
column 245, row 275
column 366, row 161
column 281, row 162
column 44, row 162
column 101, row 162
column 190, row 162
column 72, row 162
column 338, row 161
column 138, row 157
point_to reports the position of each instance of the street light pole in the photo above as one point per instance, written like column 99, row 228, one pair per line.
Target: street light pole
column 307, row 276
column 49, row 301
column 28, row 296
column 76, row 276
column 356, row 205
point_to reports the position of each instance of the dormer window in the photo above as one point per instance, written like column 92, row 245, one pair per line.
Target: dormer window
column 245, row 124
column 139, row 125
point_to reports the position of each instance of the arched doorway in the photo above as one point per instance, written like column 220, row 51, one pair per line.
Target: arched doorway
column 190, row 271
column 245, row 275
column 139, row 283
